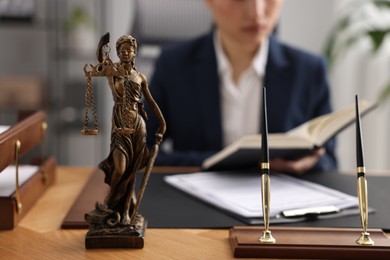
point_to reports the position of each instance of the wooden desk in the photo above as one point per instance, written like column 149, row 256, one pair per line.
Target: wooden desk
column 39, row 236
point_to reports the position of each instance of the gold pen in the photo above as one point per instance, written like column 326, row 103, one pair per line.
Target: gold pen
column 361, row 181
column 265, row 178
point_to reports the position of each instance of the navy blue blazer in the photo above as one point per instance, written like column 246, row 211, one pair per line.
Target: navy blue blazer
column 185, row 85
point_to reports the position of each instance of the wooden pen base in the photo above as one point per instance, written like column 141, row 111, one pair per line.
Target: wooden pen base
column 308, row 243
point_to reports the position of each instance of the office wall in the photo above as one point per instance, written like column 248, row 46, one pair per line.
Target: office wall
column 306, row 23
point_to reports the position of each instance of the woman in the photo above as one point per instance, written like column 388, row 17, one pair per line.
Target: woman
column 210, row 87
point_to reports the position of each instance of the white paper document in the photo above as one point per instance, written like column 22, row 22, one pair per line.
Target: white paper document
column 4, row 128
column 8, row 178
column 240, row 192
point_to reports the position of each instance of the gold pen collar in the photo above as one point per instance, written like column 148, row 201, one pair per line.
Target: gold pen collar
column 264, row 165
column 361, row 169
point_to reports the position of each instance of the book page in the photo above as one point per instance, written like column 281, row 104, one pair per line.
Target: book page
column 321, row 129
column 8, row 178
column 240, row 193
column 3, row 128
column 275, row 141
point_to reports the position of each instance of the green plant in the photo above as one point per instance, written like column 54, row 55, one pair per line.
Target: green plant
column 78, row 17
column 360, row 19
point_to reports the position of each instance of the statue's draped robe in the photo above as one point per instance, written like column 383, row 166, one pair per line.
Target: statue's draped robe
column 126, row 114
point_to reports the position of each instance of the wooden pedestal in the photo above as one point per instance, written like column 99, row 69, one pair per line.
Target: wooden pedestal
column 119, row 237
column 308, row 243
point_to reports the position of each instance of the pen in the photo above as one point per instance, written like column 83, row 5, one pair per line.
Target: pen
column 265, row 178
column 361, row 181
column 310, row 212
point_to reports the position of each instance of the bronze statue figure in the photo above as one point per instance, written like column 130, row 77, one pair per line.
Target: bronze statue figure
column 128, row 151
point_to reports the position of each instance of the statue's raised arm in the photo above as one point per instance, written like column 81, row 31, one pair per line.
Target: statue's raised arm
column 106, row 67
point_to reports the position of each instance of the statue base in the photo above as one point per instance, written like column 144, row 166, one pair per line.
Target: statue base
column 110, row 233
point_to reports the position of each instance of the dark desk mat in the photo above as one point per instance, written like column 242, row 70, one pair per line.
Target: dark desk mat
column 166, row 207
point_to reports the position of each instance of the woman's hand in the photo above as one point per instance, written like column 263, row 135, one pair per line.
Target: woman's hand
column 298, row 166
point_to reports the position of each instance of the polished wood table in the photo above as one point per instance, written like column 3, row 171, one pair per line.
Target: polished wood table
column 38, row 235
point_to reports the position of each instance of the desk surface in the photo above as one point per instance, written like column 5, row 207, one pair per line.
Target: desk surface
column 39, row 235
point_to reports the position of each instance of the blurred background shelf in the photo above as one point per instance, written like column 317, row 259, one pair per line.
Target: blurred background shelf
column 41, row 68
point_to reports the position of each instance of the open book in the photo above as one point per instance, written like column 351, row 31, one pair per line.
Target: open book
column 299, row 141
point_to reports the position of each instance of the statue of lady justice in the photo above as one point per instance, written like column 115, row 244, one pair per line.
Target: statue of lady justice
column 128, row 151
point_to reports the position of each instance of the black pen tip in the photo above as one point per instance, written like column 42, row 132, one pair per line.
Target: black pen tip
column 359, row 143
column 264, row 132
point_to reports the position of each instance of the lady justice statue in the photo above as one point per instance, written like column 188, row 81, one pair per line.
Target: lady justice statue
column 117, row 218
